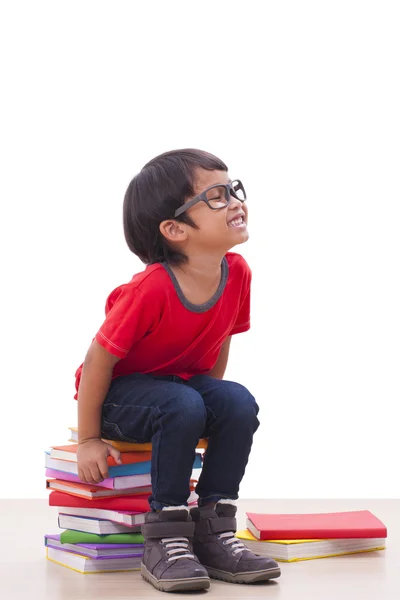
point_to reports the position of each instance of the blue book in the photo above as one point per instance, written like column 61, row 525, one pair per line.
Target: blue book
column 68, row 466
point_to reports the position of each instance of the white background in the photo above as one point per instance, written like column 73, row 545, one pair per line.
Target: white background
column 301, row 100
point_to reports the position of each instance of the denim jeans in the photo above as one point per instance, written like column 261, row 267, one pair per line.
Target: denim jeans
column 173, row 414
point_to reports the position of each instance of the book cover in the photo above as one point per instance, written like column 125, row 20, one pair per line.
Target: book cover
column 352, row 524
column 85, row 565
column 69, row 452
column 298, row 550
column 70, row 466
column 85, row 490
column 125, row 469
column 112, row 483
column 95, row 520
column 79, row 537
column 96, row 550
column 100, row 546
column 137, row 503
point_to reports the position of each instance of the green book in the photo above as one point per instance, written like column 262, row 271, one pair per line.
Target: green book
column 70, row 536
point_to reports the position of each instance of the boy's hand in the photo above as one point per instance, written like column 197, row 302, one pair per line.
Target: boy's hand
column 92, row 460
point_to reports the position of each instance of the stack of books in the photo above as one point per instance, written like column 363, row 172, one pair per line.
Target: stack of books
column 101, row 523
column 294, row 537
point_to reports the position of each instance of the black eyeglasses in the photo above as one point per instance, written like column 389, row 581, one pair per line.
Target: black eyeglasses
column 216, row 196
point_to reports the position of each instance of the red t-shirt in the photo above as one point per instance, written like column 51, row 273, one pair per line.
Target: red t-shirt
column 153, row 329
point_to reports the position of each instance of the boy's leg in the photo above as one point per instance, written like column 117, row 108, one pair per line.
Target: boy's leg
column 231, row 423
column 141, row 408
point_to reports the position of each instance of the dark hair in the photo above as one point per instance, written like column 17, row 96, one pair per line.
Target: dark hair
column 153, row 196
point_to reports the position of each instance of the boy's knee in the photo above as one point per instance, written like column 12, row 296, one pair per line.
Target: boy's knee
column 187, row 409
column 241, row 404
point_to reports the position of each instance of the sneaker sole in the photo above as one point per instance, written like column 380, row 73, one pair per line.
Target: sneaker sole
column 252, row 577
column 175, row 585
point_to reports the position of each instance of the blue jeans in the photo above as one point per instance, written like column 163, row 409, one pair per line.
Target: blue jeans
column 173, row 414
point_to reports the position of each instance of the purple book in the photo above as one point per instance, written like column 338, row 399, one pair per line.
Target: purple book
column 124, row 482
column 98, row 551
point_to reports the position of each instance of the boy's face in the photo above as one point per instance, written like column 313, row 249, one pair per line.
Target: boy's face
column 218, row 230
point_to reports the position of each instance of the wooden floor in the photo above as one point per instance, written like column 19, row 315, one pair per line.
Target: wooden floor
column 26, row 574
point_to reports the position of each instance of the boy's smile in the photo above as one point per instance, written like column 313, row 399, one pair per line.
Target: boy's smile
column 238, row 220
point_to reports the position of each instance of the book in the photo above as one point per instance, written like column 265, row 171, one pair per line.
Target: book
column 352, row 524
column 71, row 467
column 122, row 482
column 69, row 452
column 95, row 550
column 90, row 524
column 129, row 446
column 130, row 503
column 79, row 537
column 84, row 490
column 297, row 550
column 85, row 565
column 125, row 469
column 137, row 503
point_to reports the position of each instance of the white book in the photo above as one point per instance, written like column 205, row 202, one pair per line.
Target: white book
column 93, row 525
column 294, row 550
column 127, row 519
column 69, row 466
column 60, row 465
column 85, row 565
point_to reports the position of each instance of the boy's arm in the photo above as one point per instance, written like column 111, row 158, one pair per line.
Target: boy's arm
column 95, row 382
column 219, row 368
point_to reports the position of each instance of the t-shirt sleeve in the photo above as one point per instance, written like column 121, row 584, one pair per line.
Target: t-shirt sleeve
column 128, row 318
column 242, row 322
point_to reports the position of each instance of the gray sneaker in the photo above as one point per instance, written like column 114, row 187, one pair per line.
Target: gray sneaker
column 168, row 561
column 224, row 556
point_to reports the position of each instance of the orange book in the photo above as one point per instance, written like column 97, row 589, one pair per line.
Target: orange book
column 130, row 446
column 68, row 452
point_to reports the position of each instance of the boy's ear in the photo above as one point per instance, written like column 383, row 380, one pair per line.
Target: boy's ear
column 173, row 231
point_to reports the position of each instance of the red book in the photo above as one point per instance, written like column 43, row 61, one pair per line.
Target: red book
column 137, row 503
column 354, row 524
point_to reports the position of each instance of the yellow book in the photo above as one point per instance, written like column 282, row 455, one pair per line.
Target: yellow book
column 296, row 550
column 129, row 446
column 86, row 565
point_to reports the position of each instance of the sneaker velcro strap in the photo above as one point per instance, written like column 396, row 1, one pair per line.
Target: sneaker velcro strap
column 163, row 529
column 220, row 525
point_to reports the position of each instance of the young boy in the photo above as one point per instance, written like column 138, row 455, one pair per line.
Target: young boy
column 154, row 371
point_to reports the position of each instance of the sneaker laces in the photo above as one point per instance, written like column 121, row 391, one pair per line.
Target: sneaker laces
column 230, row 540
column 177, row 548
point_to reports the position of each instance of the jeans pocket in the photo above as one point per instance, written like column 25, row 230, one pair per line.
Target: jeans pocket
column 111, row 431
column 128, row 423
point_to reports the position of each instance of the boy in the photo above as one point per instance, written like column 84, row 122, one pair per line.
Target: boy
column 154, row 371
